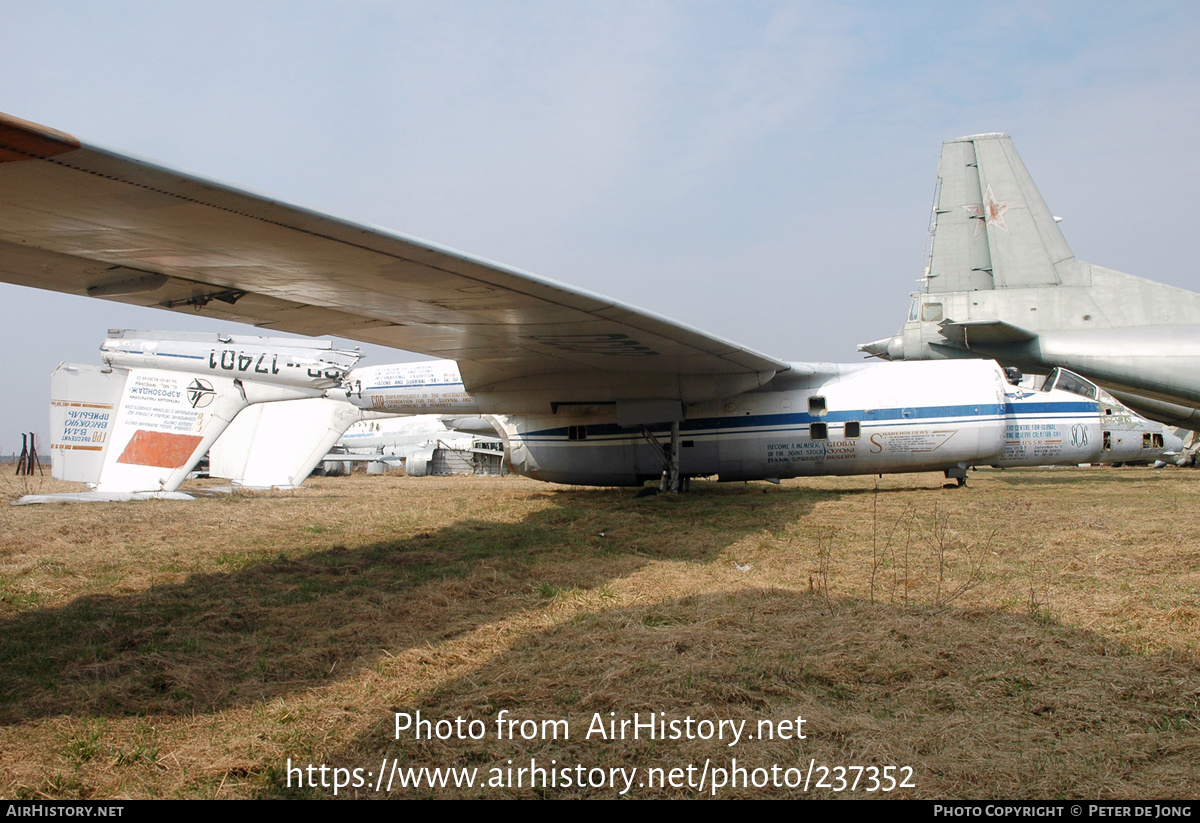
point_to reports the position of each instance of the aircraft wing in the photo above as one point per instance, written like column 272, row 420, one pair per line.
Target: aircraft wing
column 79, row 219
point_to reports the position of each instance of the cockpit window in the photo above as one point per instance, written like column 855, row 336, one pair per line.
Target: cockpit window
column 931, row 312
column 912, row 310
column 1071, row 382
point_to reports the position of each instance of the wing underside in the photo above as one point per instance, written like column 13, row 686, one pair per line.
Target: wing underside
column 83, row 220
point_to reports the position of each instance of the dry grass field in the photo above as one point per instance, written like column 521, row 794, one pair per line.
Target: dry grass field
column 1034, row 635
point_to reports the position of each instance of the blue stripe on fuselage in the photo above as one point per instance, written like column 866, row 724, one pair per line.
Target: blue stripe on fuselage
column 927, row 414
column 1087, row 407
column 157, row 354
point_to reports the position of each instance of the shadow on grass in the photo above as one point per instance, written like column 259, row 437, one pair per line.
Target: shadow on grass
column 271, row 627
column 978, row 703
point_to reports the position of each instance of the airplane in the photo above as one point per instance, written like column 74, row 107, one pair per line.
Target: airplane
column 411, row 441
column 1067, row 421
column 1001, row 283
column 138, row 427
column 392, row 436
column 582, row 389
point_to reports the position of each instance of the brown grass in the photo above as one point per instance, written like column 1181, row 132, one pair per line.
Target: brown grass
column 1034, row 635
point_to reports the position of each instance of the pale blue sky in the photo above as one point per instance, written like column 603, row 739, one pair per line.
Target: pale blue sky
column 762, row 171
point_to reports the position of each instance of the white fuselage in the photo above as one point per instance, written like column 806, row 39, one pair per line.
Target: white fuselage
column 273, row 361
column 825, row 419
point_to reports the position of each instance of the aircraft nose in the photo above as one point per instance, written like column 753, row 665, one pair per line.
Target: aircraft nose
column 889, row 348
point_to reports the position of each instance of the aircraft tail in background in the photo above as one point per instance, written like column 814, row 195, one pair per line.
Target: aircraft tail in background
column 992, row 228
column 135, row 430
column 1002, row 283
column 141, row 423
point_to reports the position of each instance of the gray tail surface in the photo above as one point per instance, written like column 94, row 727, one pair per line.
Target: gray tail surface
column 992, row 229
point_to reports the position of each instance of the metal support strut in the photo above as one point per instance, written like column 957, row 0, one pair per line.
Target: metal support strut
column 669, row 455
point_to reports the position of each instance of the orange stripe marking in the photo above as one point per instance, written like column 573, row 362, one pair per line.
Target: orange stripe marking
column 160, row 449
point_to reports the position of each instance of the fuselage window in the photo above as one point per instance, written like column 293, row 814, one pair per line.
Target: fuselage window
column 853, row 428
column 931, row 312
column 1146, row 440
column 1108, row 441
column 816, row 405
column 819, row 431
column 577, row 432
column 1158, row 441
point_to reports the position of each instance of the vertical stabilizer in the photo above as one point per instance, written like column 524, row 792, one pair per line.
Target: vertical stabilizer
column 993, row 230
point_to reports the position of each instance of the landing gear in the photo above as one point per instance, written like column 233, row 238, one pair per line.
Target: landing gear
column 669, row 455
column 959, row 473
